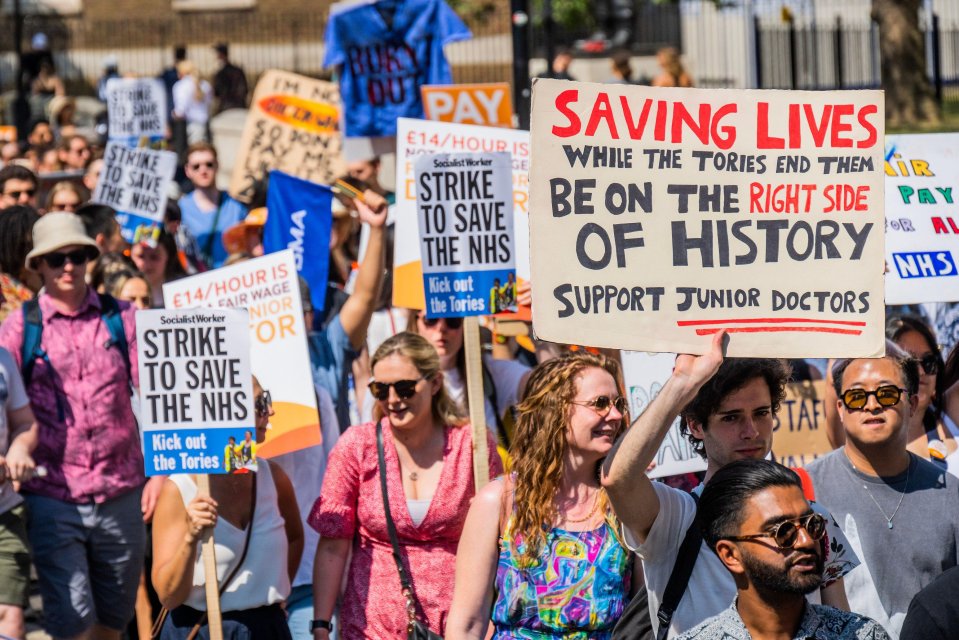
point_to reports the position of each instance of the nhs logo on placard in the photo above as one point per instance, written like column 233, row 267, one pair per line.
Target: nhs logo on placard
column 924, row 264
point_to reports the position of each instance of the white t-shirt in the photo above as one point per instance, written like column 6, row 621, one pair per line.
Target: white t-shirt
column 506, row 376
column 12, row 397
column 306, row 469
column 711, row 587
column 263, row 579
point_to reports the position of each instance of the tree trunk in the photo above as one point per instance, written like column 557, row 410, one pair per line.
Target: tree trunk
column 910, row 99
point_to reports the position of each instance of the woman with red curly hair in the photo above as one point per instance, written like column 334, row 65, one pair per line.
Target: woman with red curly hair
column 540, row 555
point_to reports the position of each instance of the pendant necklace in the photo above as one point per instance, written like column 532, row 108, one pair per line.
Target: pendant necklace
column 876, row 502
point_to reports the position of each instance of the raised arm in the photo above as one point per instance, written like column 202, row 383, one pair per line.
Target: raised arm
column 359, row 307
column 624, row 472
column 175, row 532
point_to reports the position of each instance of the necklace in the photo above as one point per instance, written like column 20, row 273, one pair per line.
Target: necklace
column 413, row 476
column 589, row 516
column 899, row 504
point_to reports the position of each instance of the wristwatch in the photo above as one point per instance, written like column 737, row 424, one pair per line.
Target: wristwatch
column 321, row 624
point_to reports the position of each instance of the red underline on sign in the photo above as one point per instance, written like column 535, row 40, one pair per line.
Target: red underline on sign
column 706, row 332
column 694, row 323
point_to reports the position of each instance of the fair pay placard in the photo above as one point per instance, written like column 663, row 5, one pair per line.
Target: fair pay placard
column 196, row 388
column 465, row 214
column 659, row 217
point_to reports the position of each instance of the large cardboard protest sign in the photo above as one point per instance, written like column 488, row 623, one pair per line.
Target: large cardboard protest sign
column 196, row 393
column 661, row 216
column 268, row 288
column 465, row 205
column 135, row 181
column 922, row 218
column 136, row 108
column 417, row 137
column 294, row 127
column 799, row 427
column 487, row 104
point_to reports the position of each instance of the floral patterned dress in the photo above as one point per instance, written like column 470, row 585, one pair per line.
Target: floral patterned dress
column 576, row 591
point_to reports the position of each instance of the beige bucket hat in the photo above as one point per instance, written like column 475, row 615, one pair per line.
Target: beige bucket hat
column 55, row 231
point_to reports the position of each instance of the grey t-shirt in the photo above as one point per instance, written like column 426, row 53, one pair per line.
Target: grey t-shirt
column 898, row 562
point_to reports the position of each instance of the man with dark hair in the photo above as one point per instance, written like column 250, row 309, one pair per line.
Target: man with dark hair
column 900, row 512
column 18, row 185
column 728, row 409
column 41, row 134
column 101, row 224
column 229, row 83
column 73, row 152
column 754, row 517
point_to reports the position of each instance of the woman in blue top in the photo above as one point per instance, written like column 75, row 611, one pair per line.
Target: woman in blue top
column 540, row 555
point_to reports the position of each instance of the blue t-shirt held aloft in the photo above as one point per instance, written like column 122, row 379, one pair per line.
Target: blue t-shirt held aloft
column 200, row 224
column 383, row 62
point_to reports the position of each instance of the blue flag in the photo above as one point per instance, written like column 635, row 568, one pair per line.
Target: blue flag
column 300, row 217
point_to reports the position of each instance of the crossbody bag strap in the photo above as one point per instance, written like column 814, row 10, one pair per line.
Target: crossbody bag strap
column 211, row 239
column 405, row 583
column 679, row 578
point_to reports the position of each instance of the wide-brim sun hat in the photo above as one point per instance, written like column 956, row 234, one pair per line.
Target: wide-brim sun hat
column 55, row 231
column 234, row 237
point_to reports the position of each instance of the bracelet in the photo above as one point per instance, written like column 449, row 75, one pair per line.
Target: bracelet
column 321, row 624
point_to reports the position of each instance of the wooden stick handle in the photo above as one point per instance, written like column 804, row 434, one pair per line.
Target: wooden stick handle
column 477, row 401
column 213, row 614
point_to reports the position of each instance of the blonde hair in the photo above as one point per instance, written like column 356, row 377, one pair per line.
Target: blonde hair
column 423, row 356
column 187, row 68
column 673, row 65
column 540, row 445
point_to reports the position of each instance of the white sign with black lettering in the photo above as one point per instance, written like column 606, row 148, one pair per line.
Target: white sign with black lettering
column 135, row 180
column 196, row 389
column 136, row 107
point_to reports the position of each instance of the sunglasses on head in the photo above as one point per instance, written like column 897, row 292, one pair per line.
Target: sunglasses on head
column 887, row 395
column 786, row 533
column 16, row 194
column 200, row 165
column 405, row 389
column 451, row 323
column 56, row 259
column 263, row 403
column 604, row 404
column 930, row 364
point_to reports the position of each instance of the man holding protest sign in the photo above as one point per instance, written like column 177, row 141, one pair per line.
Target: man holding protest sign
column 727, row 408
column 77, row 350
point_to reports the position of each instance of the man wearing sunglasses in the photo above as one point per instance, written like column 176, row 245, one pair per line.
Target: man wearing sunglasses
column 86, row 515
column 206, row 211
column 754, row 517
column 728, row 410
column 18, row 185
column 899, row 511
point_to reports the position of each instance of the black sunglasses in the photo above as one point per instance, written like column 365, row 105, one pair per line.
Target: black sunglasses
column 77, row 257
column 887, row 396
column 786, row 533
column 930, row 364
column 263, row 404
column 604, row 404
column 405, row 389
column 16, row 194
column 198, row 165
column 452, row 323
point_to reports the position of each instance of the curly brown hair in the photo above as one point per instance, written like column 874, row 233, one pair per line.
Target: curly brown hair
column 732, row 376
column 540, row 444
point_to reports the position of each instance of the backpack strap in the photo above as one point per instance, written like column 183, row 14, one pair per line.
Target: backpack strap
column 110, row 312
column 32, row 336
column 808, row 490
column 679, row 578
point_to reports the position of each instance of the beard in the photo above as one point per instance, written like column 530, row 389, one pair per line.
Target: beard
column 776, row 580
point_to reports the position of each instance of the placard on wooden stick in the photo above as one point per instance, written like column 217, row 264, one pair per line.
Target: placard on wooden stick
column 214, row 615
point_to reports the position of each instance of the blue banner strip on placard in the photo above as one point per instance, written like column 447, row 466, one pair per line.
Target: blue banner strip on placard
column 470, row 293
column 169, row 451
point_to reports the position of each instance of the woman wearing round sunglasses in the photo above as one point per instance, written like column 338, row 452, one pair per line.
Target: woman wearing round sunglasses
column 427, row 448
column 541, row 554
column 503, row 380
column 932, row 432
